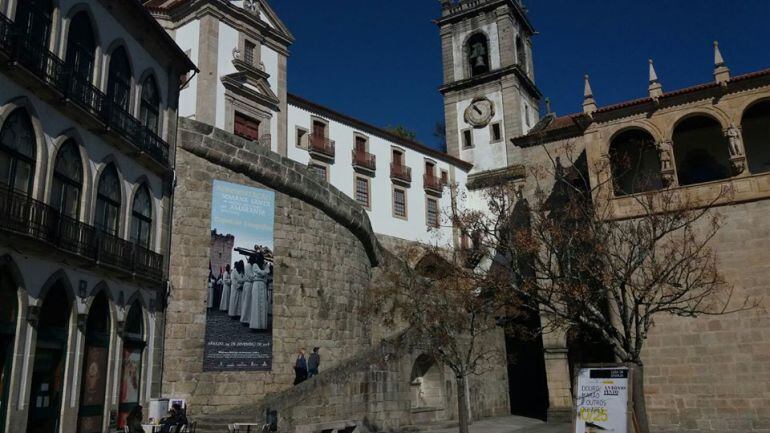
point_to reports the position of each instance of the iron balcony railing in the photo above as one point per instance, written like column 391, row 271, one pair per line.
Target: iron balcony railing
column 25, row 216
column 364, row 160
column 322, row 145
column 19, row 47
column 400, row 172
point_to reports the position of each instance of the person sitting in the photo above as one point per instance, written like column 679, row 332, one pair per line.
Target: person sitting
column 175, row 420
column 134, row 420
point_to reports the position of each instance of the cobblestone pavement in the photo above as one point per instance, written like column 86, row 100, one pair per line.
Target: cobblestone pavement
column 511, row 424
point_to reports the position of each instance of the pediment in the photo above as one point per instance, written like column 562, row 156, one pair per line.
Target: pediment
column 252, row 86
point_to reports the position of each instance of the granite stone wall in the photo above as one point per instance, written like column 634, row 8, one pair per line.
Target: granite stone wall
column 324, row 253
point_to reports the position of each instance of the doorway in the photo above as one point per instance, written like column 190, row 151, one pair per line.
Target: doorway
column 8, row 316
column 93, row 380
column 527, row 382
column 50, row 357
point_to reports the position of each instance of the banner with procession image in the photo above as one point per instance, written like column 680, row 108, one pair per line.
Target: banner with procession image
column 239, row 287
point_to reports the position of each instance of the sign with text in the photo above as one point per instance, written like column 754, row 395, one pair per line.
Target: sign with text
column 602, row 400
column 239, row 287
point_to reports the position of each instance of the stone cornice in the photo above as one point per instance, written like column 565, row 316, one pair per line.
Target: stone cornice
column 491, row 76
column 281, row 174
column 460, row 11
column 486, row 179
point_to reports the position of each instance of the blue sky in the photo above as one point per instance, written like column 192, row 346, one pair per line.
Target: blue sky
column 380, row 61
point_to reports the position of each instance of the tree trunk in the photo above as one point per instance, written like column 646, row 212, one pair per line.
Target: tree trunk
column 463, row 406
column 640, row 407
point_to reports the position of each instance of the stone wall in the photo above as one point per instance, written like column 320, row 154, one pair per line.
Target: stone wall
column 324, row 252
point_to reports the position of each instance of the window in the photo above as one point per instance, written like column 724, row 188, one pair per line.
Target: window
column 301, row 138
column 248, row 52
column 119, row 80
column 319, row 129
column 398, row 157
column 360, row 144
column 141, row 217
column 495, row 132
column 526, row 115
column 478, row 54
column 67, row 180
column 34, row 17
column 756, row 137
column 149, row 112
column 431, row 212
column 444, row 177
column 108, row 201
column 80, row 52
column 467, row 139
column 362, row 191
column 399, row 203
column 319, row 170
column 17, row 152
column 246, row 127
column 131, row 363
column 430, row 168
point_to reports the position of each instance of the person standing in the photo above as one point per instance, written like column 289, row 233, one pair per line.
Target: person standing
column 258, row 319
column 300, row 367
column 224, row 303
column 313, row 363
column 236, row 290
column 246, row 298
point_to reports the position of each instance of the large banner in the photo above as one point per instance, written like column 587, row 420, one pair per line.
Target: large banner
column 602, row 400
column 239, row 319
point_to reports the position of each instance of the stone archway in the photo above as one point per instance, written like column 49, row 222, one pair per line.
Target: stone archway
column 427, row 389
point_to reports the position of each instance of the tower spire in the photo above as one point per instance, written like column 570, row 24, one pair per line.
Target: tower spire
column 589, row 103
column 655, row 88
column 721, row 71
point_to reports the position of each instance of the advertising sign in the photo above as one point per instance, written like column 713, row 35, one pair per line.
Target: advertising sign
column 239, row 287
column 602, row 400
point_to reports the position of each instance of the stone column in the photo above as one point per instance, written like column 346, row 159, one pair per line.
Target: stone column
column 557, row 372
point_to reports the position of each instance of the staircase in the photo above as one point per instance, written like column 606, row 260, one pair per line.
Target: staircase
column 304, row 408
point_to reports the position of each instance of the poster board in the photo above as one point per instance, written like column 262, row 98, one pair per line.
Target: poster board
column 239, row 305
column 602, row 400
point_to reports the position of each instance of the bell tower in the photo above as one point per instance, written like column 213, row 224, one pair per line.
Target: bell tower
column 489, row 90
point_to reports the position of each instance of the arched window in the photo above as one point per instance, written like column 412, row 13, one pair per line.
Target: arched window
column 67, row 180
column 108, row 201
column 46, row 391
column 33, row 18
column 521, row 53
column 119, row 79
column 8, row 314
column 635, row 163
column 81, row 49
column 141, row 217
column 17, row 152
column 131, row 362
column 93, row 379
column 150, row 107
column 478, row 54
column 756, row 137
column 701, row 151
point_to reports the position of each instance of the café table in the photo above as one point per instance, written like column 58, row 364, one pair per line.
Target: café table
column 248, row 427
column 151, row 428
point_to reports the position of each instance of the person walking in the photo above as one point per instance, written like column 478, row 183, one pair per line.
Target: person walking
column 313, row 362
column 300, row 367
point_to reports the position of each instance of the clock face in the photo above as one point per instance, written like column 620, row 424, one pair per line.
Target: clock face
column 480, row 112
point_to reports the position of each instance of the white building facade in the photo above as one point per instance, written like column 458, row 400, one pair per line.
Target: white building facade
column 87, row 130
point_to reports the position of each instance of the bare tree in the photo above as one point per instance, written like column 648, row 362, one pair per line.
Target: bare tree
column 571, row 253
column 449, row 318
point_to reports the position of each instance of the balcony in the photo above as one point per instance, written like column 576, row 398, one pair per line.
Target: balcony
column 24, row 216
column 400, row 173
column 321, row 147
column 432, row 184
column 364, row 162
column 66, row 85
